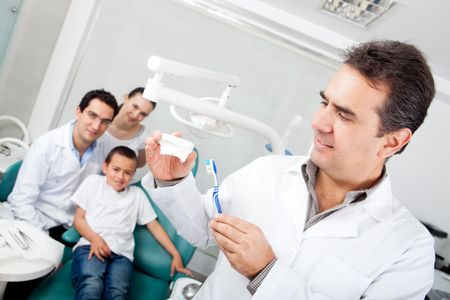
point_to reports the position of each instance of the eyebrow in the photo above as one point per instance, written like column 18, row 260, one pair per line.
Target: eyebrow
column 97, row 116
column 340, row 108
column 140, row 111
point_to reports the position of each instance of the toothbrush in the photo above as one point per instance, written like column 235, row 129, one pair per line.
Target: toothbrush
column 212, row 169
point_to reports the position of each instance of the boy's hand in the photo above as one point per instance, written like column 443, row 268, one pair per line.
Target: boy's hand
column 177, row 265
column 166, row 167
column 99, row 248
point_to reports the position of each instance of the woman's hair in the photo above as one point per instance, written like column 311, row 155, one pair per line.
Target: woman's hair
column 140, row 90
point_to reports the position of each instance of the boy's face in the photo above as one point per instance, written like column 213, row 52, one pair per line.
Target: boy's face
column 119, row 171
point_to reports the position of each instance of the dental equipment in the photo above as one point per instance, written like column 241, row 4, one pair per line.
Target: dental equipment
column 175, row 146
column 13, row 149
column 212, row 115
column 293, row 125
column 212, row 169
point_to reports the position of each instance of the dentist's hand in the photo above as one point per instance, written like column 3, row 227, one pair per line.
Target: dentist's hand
column 166, row 167
column 243, row 243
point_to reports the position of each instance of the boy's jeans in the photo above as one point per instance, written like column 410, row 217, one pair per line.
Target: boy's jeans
column 95, row 279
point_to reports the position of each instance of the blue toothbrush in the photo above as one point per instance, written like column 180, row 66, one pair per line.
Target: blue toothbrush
column 212, row 169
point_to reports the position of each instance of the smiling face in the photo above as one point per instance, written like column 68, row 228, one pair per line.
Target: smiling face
column 119, row 171
column 135, row 109
column 346, row 145
column 92, row 122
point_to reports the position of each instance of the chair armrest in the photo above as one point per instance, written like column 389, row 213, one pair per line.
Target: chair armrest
column 179, row 275
column 71, row 235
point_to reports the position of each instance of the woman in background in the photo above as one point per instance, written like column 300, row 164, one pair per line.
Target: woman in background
column 126, row 128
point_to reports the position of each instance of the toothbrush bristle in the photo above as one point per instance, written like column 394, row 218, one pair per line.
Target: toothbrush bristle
column 208, row 166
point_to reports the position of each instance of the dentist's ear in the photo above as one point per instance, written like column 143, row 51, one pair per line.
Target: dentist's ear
column 394, row 141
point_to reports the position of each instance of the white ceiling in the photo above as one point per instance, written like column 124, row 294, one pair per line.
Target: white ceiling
column 422, row 23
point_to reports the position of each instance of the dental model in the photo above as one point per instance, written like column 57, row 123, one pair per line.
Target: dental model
column 175, row 146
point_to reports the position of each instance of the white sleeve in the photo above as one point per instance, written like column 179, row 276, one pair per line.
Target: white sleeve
column 32, row 175
column 190, row 211
column 84, row 192
column 146, row 213
column 185, row 207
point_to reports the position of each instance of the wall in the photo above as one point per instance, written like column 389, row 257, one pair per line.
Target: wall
column 276, row 84
column 420, row 175
column 28, row 55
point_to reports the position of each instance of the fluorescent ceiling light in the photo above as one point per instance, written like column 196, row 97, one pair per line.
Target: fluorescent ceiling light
column 359, row 12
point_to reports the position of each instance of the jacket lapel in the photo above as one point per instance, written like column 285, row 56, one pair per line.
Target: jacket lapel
column 344, row 222
column 295, row 196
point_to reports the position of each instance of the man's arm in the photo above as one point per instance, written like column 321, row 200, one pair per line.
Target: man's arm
column 99, row 247
column 161, row 236
column 32, row 175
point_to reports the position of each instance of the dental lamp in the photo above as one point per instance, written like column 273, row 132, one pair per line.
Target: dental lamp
column 206, row 115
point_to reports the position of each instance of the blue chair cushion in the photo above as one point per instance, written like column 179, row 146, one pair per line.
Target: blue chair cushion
column 59, row 287
column 8, row 180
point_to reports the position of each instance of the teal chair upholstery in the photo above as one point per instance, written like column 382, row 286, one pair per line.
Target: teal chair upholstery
column 8, row 180
column 151, row 274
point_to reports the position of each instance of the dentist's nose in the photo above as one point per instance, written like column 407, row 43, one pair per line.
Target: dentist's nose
column 323, row 120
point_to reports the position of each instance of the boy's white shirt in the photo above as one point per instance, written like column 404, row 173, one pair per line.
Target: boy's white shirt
column 111, row 214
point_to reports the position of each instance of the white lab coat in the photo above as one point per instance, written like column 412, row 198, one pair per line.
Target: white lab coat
column 373, row 249
column 49, row 175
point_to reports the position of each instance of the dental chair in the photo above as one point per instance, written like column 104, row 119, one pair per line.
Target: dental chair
column 151, row 275
column 8, row 180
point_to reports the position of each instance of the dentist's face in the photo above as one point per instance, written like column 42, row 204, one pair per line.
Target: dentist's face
column 346, row 145
column 119, row 171
column 93, row 121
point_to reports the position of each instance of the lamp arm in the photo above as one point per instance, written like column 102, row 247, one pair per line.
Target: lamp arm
column 193, row 104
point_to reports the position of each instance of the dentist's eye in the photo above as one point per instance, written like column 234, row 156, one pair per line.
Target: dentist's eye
column 343, row 117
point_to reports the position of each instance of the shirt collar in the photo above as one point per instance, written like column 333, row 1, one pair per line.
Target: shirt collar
column 87, row 154
column 309, row 171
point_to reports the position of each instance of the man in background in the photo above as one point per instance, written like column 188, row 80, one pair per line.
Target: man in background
column 57, row 162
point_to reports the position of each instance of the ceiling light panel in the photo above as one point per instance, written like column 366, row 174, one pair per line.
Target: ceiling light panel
column 358, row 12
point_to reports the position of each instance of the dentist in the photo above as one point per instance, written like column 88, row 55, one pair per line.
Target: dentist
column 325, row 226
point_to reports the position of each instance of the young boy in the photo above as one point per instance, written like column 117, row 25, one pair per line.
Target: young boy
column 106, row 215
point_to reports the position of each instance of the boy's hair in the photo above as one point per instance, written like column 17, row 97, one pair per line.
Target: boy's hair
column 140, row 90
column 404, row 69
column 123, row 151
column 102, row 95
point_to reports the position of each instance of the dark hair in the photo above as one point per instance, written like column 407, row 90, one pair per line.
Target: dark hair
column 139, row 90
column 123, row 151
column 103, row 96
column 404, row 70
